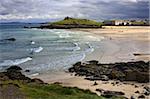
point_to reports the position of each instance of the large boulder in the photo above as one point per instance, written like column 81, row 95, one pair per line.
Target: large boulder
column 14, row 68
column 14, row 73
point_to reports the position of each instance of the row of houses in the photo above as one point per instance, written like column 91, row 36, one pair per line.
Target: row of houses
column 126, row 22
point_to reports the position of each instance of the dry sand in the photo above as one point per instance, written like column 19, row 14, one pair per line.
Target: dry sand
column 69, row 80
column 120, row 44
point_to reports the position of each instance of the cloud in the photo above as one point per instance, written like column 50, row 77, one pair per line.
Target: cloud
column 57, row 9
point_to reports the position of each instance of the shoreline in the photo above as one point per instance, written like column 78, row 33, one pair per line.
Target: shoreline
column 117, row 47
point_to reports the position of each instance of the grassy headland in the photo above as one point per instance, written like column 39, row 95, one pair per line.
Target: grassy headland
column 68, row 23
column 75, row 21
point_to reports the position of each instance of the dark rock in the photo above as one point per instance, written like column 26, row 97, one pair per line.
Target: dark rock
column 136, row 54
column 147, row 88
column 146, row 93
column 37, row 81
column 26, row 27
column 136, row 86
column 113, row 83
column 109, row 94
column 115, row 93
column 94, row 62
column 132, row 97
column 117, row 82
column 141, row 96
column 14, row 73
column 130, row 71
column 58, row 83
column 27, row 70
column 95, row 83
column 10, row 39
column 137, row 91
column 100, row 90
column 14, row 68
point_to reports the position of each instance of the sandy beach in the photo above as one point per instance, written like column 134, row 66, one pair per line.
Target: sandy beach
column 121, row 44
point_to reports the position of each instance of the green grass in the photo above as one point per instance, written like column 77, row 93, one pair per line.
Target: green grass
column 57, row 92
column 70, row 21
column 53, row 91
column 138, row 23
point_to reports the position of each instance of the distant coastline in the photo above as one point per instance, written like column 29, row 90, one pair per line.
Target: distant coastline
column 70, row 23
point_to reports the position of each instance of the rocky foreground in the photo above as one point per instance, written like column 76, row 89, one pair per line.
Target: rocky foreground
column 130, row 71
column 120, row 74
column 15, row 85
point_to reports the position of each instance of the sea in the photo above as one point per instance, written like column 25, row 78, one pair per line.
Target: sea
column 43, row 50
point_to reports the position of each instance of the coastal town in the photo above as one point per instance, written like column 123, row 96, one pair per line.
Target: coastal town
column 137, row 22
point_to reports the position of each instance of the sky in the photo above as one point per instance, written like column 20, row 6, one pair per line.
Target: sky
column 51, row 10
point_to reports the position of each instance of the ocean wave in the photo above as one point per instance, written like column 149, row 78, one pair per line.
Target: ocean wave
column 61, row 63
column 36, row 50
column 15, row 62
column 68, row 48
column 75, row 48
column 63, row 34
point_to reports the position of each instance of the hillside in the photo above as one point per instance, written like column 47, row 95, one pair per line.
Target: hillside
column 68, row 23
column 75, row 21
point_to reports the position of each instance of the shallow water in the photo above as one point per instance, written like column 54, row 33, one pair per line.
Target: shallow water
column 43, row 50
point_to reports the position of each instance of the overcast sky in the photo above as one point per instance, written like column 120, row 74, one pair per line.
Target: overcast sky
column 43, row 10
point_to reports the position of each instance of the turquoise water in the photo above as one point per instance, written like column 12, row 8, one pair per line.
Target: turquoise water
column 43, row 50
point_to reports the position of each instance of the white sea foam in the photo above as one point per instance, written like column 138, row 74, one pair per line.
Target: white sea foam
column 63, row 34
column 36, row 50
column 15, row 62
column 61, row 63
column 69, row 48
column 32, row 42
column 90, row 47
column 75, row 48
column 35, row 74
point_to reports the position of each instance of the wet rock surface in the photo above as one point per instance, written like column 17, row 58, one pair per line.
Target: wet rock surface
column 14, row 73
column 130, row 71
column 110, row 94
column 9, row 39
